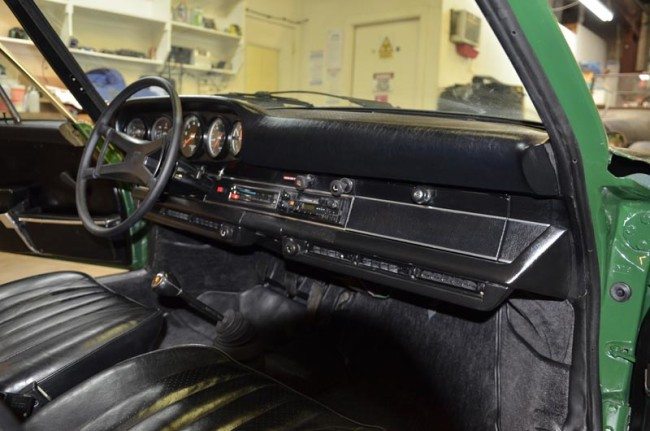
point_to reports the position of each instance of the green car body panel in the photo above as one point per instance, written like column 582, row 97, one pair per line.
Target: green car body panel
column 620, row 212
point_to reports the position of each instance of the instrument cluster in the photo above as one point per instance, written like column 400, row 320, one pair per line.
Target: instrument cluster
column 217, row 137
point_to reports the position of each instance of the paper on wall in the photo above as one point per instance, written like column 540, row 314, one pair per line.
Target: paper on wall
column 316, row 63
column 334, row 50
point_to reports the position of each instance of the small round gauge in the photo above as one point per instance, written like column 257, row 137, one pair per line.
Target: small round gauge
column 136, row 129
column 191, row 136
column 236, row 138
column 215, row 137
column 160, row 128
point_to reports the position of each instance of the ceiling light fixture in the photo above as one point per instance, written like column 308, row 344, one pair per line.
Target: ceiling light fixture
column 598, row 9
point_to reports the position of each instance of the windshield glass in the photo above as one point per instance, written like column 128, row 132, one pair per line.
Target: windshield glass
column 622, row 90
column 433, row 55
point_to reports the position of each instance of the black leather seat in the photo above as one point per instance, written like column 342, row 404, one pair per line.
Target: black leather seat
column 186, row 387
column 57, row 330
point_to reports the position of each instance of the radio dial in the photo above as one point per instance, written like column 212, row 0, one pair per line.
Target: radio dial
column 303, row 182
column 339, row 187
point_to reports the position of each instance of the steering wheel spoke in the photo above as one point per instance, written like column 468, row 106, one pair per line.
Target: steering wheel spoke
column 150, row 147
column 121, row 140
column 128, row 171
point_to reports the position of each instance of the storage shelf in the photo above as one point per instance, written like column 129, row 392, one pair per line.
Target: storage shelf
column 117, row 13
column 182, row 27
column 123, row 58
column 202, row 69
column 11, row 40
column 143, row 26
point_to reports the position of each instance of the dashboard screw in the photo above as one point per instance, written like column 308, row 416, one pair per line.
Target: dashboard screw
column 620, row 292
column 291, row 248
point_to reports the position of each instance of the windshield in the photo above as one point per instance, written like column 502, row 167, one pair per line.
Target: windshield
column 432, row 55
column 622, row 90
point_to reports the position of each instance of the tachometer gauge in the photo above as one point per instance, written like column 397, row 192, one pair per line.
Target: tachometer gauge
column 136, row 129
column 235, row 138
column 215, row 137
column 191, row 136
column 160, row 128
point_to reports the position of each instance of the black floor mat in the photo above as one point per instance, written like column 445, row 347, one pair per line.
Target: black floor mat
column 381, row 360
column 304, row 351
column 179, row 330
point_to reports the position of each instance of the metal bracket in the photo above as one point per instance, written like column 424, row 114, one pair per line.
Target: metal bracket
column 9, row 222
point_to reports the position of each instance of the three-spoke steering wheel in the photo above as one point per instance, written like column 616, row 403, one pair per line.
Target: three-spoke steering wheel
column 136, row 166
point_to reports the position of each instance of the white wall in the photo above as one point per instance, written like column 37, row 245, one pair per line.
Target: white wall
column 491, row 61
column 439, row 63
column 344, row 15
column 590, row 48
column 284, row 37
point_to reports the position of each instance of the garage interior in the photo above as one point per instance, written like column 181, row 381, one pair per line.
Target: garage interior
column 363, row 49
column 359, row 48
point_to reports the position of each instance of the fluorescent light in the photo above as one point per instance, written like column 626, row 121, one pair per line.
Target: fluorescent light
column 598, row 9
column 644, row 76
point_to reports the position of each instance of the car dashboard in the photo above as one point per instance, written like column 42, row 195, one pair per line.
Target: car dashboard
column 444, row 208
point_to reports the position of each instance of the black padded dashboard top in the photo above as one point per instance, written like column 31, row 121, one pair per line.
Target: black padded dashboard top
column 452, row 152
column 418, row 147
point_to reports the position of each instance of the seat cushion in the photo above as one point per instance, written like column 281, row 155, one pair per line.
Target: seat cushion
column 186, row 387
column 59, row 329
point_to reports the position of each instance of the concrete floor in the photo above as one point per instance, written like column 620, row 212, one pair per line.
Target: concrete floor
column 17, row 266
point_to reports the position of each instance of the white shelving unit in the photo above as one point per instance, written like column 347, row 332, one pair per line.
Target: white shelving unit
column 80, row 53
column 181, row 27
column 103, row 27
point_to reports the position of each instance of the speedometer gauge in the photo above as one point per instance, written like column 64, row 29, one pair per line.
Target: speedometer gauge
column 191, row 136
column 236, row 137
column 136, row 128
column 215, row 137
column 161, row 127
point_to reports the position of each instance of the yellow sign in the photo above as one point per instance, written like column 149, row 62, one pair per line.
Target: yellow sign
column 386, row 49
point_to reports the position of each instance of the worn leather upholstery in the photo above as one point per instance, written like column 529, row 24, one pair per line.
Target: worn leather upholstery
column 186, row 387
column 61, row 328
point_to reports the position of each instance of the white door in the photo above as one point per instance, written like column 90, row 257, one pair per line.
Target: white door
column 262, row 68
column 386, row 62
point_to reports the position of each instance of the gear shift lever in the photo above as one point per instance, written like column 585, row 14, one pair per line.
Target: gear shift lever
column 234, row 333
column 165, row 284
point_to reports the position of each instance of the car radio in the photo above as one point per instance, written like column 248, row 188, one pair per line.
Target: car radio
column 253, row 195
column 310, row 206
column 326, row 209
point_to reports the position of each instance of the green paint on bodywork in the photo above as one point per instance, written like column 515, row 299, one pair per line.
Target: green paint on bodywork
column 139, row 245
column 618, row 208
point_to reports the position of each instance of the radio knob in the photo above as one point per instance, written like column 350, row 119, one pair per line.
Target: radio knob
column 421, row 195
column 303, row 182
column 339, row 187
column 226, row 231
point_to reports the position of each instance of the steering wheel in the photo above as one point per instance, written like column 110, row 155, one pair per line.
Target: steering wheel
column 137, row 167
